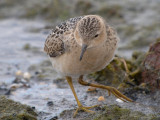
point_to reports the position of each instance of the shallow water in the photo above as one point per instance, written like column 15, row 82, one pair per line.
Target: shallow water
column 14, row 35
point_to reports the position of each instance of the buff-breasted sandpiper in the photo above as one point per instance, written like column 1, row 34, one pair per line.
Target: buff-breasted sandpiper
column 80, row 46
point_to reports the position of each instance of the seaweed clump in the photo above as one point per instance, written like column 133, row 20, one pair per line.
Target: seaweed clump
column 121, row 73
column 10, row 110
column 115, row 112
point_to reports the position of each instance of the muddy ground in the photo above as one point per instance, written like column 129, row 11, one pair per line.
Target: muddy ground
column 22, row 38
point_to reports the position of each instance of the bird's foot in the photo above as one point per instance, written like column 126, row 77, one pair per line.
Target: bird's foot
column 118, row 94
column 112, row 90
column 86, row 109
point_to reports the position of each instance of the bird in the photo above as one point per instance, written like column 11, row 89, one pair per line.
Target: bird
column 80, row 46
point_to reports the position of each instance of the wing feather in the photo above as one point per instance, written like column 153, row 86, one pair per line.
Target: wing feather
column 54, row 44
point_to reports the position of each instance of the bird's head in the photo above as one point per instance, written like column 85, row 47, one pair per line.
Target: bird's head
column 90, row 32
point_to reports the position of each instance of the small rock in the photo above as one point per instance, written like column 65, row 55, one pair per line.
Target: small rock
column 27, row 76
column 37, row 72
column 19, row 73
column 101, row 98
column 54, row 118
column 50, row 103
column 119, row 100
column 151, row 64
column 33, row 108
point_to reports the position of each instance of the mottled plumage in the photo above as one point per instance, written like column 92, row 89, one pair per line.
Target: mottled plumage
column 82, row 45
column 65, row 42
column 62, row 38
column 54, row 45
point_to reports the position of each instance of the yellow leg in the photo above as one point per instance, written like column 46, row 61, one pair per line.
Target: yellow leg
column 124, row 63
column 112, row 90
column 80, row 107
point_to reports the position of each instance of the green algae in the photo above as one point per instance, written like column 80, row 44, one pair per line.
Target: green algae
column 122, row 73
column 115, row 112
column 10, row 110
column 27, row 46
column 113, row 74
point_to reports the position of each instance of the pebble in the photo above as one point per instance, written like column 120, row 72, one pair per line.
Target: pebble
column 119, row 100
column 101, row 98
column 54, row 118
column 50, row 103
column 27, row 76
column 19, row 73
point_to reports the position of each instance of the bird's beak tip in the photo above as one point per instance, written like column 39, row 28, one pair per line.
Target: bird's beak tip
column 80, row 58
column 84, row 47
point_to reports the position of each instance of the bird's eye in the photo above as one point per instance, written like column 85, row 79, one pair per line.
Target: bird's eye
column 96, row 36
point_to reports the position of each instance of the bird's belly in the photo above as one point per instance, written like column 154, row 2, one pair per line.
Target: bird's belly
column 69, row 64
